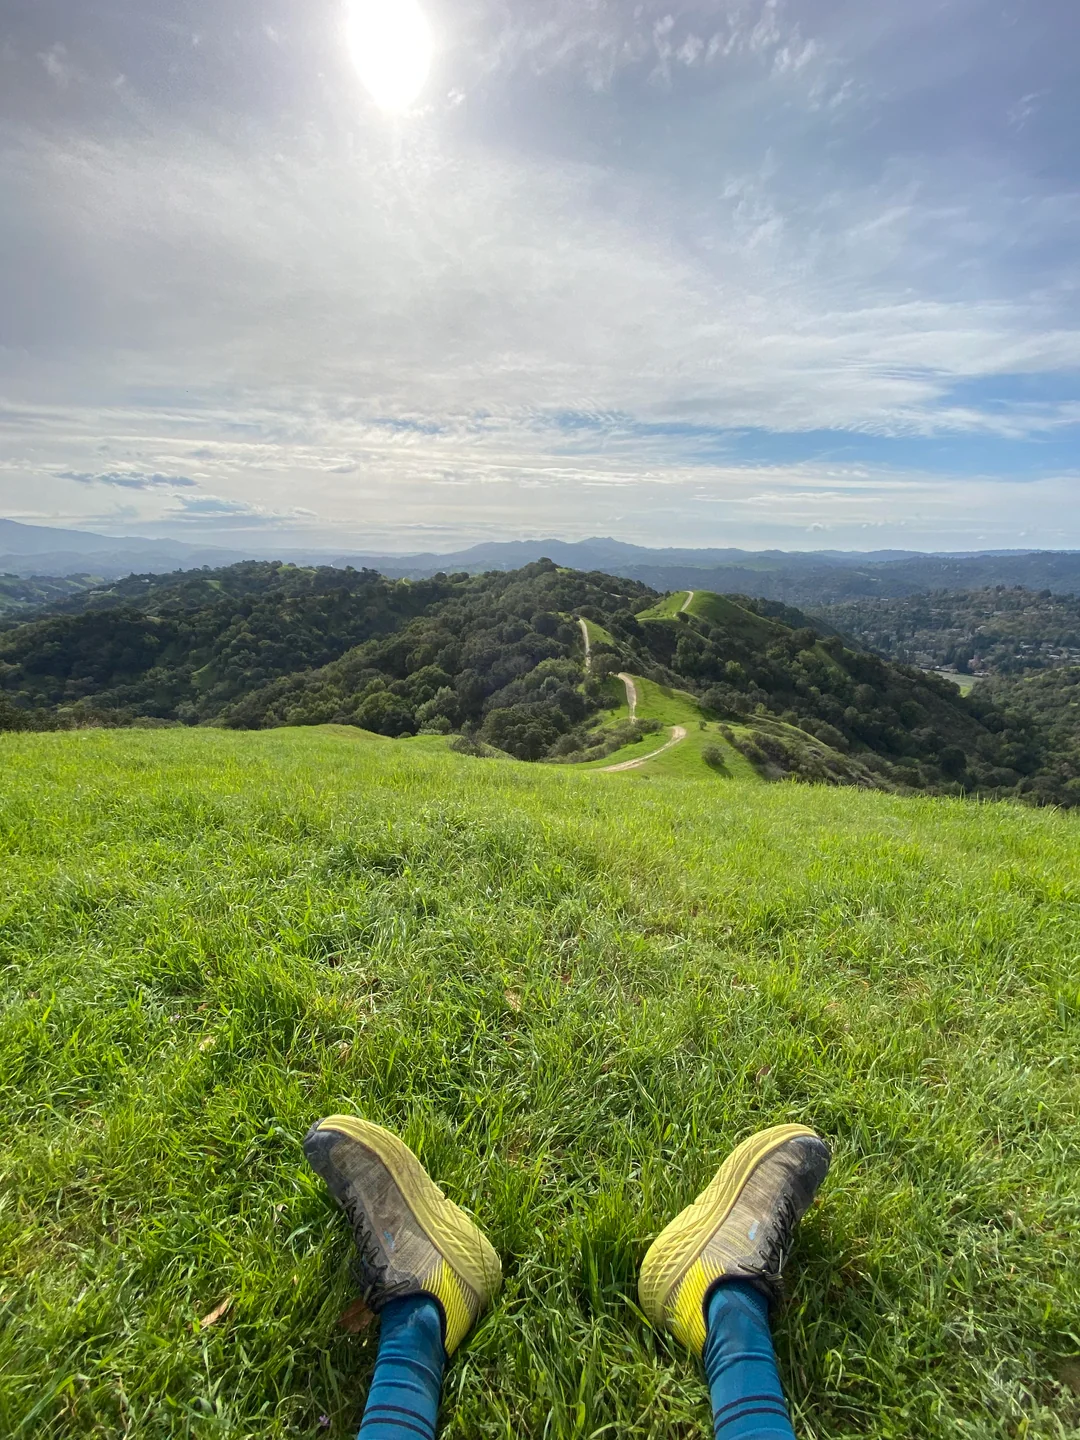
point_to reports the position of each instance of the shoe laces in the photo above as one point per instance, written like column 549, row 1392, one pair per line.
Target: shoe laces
column 367, row 1267
column 777, row 1245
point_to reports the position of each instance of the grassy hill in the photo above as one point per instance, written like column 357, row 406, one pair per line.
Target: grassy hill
column 499, row 658
column 716, row 610
column 670, row 708
column 572, row 993
column 798, row 702
column 702, row 747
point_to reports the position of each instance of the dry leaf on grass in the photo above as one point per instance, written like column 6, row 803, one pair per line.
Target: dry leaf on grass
column 355, row 1317
column 215, row 1314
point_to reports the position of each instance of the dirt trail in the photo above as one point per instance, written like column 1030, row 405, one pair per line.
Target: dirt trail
column 588, row 647
column 631, row 692
column 686, row 603
column 678, row 733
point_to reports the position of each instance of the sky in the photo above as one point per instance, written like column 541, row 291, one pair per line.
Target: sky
column 766, row 273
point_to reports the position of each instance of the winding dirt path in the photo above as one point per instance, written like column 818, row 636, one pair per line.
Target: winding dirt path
column 686, row 603
column 631, row 692
column 678, row 734
column 588, row 647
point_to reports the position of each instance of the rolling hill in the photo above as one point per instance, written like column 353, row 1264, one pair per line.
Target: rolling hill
column 498, row 658
column 20, row 597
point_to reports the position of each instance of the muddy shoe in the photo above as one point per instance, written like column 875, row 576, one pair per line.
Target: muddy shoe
column 412, row 1240
column 739, row 1228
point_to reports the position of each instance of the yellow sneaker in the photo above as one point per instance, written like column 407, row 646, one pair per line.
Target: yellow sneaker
column 740, row 1227
column 412, row 1240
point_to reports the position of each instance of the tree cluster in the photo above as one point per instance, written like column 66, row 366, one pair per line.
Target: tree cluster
column 1050, row 702
column 1001, row 630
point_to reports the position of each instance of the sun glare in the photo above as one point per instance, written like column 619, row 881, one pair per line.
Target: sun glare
column 391, row 46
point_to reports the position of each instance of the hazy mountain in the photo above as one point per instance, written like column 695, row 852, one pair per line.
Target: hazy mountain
column 44, row 550
column 800, row 578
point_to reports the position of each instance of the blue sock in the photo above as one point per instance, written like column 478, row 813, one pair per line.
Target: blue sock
column 740, row 1365
column 403, row 1400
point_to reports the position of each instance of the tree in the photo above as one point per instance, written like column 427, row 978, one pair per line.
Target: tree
column 385, row 714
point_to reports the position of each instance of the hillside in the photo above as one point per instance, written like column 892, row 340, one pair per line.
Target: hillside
column 685, row 740
column 1052, row 700
column 500, row 659
column 182, row 647
column 572, row 993
column 998, row 631
column 895, row 722
column 19, row 596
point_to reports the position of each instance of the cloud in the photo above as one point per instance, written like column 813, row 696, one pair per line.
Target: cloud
column 217, row 509
column 623, row 246
column 131, row 480
column 58, row 67
column 607, row 43
column 313, row 281
column 215, row 506
column 1023, row 109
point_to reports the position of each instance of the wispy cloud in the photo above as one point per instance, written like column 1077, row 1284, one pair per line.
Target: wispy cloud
column 217, row 509
column 58, row 67
column 679, row 225
column 130, row 479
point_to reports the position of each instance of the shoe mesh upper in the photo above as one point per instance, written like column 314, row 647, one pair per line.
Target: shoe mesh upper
column 397, row 1256
column 750, row 1240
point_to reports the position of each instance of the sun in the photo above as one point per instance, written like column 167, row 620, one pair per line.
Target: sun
column 391, row 46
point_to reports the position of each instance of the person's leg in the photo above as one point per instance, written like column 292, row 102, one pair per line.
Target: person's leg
column 407, row 1384
column 740, row 1366
column 424, row 1265
column 708, row 1277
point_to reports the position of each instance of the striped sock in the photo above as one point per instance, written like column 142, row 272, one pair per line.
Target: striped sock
column 403, row 1400
column 740, row 1364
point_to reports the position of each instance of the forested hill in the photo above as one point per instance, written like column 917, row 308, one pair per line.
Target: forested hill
column 18, row 595
column 1001, row 630
column 1052, row 699
column 499, row 656
column 193, row 646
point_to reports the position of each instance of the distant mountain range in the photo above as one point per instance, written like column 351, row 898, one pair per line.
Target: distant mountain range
column 42, row 550
column 801, row 578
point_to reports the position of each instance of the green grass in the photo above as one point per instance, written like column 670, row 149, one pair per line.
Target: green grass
column 735, row 619
column 719, row 611
column 685, row 760
column 598, row 635
column 667, row 608
column 964, row 683
column 571, row 996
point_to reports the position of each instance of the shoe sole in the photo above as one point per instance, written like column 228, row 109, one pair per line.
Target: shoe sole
column 461, row 1242
column 680, row 1243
